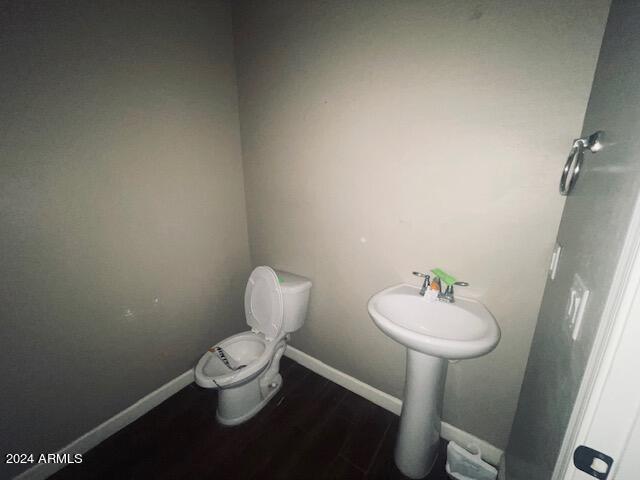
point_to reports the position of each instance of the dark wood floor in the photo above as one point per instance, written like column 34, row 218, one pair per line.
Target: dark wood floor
column 312, row 428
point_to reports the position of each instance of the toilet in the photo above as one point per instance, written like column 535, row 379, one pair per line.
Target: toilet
column 245, row 367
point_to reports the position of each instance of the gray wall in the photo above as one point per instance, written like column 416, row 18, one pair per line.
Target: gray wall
column 381, row 137
column 593, row 230
column 120, row 182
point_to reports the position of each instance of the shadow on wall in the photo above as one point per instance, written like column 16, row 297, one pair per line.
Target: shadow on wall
column 124, row 231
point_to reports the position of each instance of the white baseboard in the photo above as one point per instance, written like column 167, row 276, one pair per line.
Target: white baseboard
column 384, row 400
column 103, row 431
column 490, row 453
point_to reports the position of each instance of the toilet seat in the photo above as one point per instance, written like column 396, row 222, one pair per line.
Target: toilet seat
column 263, row 304
column 247, row 348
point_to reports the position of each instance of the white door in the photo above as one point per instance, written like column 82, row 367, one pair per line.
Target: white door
column 594, row 234
column 606, row 413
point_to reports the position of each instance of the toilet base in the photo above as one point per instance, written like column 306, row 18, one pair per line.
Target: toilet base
column 239, row 404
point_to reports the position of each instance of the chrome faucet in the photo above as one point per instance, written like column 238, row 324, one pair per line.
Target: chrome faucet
column 447, row 296
column 425, row 283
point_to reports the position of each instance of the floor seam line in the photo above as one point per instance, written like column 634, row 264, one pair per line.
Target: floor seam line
column 378, row 448
column 352, row 464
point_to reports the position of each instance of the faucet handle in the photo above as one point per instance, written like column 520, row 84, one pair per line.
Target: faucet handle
column 457, row 284
column 425, row 283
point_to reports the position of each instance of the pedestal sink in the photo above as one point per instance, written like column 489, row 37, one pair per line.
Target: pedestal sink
column 433, row 332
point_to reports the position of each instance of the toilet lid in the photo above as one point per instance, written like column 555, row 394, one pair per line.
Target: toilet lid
column 263, row 302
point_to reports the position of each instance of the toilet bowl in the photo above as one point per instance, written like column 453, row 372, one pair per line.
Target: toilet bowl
column 245, row 367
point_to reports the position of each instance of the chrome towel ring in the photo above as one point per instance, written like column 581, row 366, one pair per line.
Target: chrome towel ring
column 571, row 169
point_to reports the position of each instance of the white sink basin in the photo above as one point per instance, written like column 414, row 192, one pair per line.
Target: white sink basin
column 464, row 329
column 433, row 331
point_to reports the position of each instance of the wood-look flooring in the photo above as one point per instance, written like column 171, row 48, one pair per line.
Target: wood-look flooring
column 311, row 429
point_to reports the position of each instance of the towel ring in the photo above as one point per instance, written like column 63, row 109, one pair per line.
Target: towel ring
column 571, row 170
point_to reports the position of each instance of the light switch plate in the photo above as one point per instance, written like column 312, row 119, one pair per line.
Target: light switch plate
column 576, row 305
column 555, row 258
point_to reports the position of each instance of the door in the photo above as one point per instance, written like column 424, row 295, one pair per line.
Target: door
column 593, row 232
column 606, row 417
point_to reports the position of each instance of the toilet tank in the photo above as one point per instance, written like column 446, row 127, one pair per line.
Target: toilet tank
column 295, row 299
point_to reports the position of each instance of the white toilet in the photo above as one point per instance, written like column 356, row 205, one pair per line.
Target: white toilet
column 245, row 367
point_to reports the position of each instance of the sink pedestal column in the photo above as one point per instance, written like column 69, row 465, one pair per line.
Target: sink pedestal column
column 419, row 434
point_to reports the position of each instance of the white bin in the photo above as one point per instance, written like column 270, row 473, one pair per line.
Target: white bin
column 468, row 465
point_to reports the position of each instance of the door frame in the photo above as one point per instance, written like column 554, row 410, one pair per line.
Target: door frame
column 600, row 392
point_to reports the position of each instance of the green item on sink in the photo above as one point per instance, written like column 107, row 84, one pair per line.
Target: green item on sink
column 444, row 276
